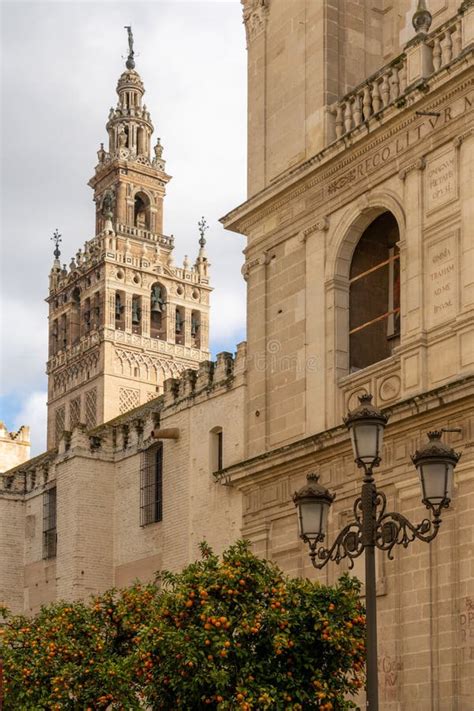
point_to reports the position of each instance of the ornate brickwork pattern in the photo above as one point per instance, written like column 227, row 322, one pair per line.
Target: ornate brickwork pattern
column 149, row 367
column 74, row 412
column 59, row 423
column 128, row 399
column 91, row 408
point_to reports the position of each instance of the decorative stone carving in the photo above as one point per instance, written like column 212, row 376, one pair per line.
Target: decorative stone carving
column 129, row 398
column 389, row 388
column 255, row 14
column 91, row 408
column 321, row 225
column 419, row 164
column 59, row 425
column 441, row 179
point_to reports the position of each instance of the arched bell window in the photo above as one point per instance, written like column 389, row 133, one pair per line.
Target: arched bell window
column 179, row 326
column 75, row 315
column 141, row 214
column 120, row 310
column 136, row 314
column 374, row 294
column 158, row 311
column 87, row 315
column 196, row 329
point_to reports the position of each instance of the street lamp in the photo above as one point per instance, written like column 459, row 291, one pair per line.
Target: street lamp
column 373, row 526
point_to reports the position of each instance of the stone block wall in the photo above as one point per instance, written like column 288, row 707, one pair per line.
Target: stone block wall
column 101, row 541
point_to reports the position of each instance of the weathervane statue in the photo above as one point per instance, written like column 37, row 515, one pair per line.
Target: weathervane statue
column 203, row 226
column 57, row 239
column 130, row 64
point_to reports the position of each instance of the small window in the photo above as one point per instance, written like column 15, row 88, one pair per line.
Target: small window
column 151, row 486
column 49, row 523
column 217, row 449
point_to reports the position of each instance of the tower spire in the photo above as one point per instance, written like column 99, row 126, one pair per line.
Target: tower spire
column 202, row 265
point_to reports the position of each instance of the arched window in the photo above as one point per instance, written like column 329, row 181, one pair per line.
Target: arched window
column 63, row 332
column 141, row 215
column 216, row 447
column 374, row 294
column 136, row 314
column 158, row 311
column 86, row 315
column 75, row 315
column 179, row 326
column 54, row 338
column 120, row 310
column 196, row 329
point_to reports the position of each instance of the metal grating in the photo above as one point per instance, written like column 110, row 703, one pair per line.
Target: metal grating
column 151, row 486
column 49, row 523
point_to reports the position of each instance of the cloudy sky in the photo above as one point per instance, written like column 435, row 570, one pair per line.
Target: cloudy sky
column 60, row 62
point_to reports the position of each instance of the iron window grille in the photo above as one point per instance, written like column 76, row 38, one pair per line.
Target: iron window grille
column 50, row 536
column 220, row 450
column 151, row 486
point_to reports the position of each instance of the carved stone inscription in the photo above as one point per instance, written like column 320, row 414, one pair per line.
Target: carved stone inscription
column 441, row 280
column 441, row 180
column 399, row 145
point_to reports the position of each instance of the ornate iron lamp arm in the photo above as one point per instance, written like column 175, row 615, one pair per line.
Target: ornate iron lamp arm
column 348, row 543
column 392, row 528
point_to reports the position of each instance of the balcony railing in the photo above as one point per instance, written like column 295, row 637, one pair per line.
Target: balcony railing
column 392, row 83
column 130, row 231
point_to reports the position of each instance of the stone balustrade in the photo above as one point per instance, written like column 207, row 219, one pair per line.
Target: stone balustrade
column 391, row 85
column 130, row 231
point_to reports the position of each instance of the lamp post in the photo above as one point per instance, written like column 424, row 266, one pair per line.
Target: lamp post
column 373, row 526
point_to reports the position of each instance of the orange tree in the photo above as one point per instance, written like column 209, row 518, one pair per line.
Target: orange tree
column 235, row 633
column 76, row 655
column 226, row 633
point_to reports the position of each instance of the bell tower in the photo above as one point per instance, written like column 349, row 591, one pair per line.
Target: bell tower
column 122, row 316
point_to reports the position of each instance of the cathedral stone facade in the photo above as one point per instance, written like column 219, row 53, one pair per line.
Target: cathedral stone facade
column 360, row 278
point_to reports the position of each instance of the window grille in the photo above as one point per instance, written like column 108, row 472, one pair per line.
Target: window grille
column 220, row 450
column 49, row 523
column 151, row 486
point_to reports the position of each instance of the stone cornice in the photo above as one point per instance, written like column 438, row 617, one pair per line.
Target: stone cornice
column 342, row 155
column 289, row 456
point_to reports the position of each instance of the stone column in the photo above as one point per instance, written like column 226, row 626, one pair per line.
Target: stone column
column 128, row 313
column 412, row 349
column 171, row 323
column 314, row 239
column 187, row 327
column 255, row 275
column 109, row 317
column 145, row 302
